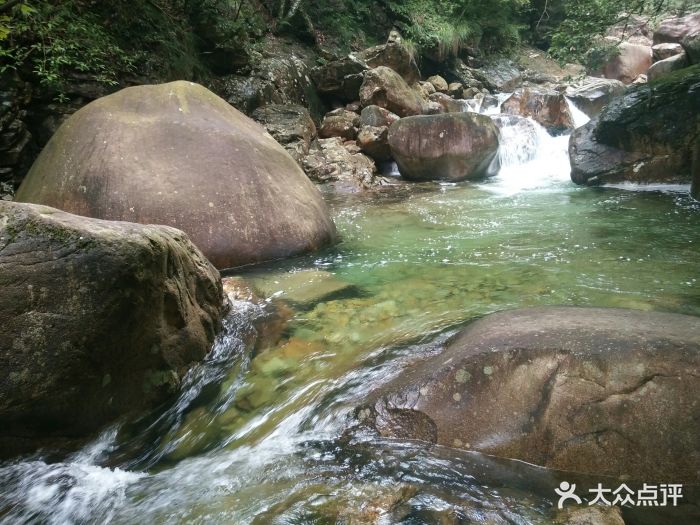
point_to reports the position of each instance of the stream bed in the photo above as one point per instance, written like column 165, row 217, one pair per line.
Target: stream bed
column 258, row 435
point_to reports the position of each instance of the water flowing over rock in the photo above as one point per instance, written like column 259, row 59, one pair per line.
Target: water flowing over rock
column 453, row 146
column 290, row 125
column 587, row 390
column 134, row 307
column 549, row 108
column 647, row 135
column 594, row 94
column 177, row 154
column 385, row 88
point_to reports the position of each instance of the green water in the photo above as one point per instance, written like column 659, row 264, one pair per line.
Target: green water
column 258, row 434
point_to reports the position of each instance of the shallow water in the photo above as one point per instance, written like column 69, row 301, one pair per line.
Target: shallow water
column 257, row 435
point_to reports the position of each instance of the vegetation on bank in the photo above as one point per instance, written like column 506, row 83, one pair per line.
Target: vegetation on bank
column 52, row 42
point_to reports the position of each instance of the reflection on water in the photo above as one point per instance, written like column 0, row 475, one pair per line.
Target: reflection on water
column 257, row 435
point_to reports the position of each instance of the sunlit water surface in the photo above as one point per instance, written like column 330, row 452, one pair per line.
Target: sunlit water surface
column 257, row 435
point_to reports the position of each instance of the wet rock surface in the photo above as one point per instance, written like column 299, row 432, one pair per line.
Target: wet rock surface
column 548, row 108
column 249, row 201
column 453, row 146
column 647, row 135
column 587, row 390
column 134, row 308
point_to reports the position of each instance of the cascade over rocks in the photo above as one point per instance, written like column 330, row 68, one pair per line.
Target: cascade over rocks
column 647, row 135
column 385, row 88
column 135, row 306
column 548, row 108
column 177, row 154
column 589, row 390
column 452, row 146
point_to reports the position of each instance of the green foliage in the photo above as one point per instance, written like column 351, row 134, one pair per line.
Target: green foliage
column 576, row 29
column 443, row 28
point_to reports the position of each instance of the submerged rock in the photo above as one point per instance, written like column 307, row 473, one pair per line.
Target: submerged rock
column 385, row 88
column 587, row 390
column 452, row 146
column 304, row 287
column 548, row 108
column 647, row 135
column 176, row 154
column 97, row 319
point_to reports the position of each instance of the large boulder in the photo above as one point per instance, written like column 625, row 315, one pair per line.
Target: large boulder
column 385, row 88
column 394, row 55
column 499, row 75
column 376, row 116
column 664, row 51
column 439, row 83
column 339, row 123
column 589, row 390
column 176, row 154
column 647, row 135
column 374, row 142
column 97, row 319
column 593, row 94
column 674, row 30
column 635, row 29
column 340, row 79
column 548, row 108
column 631, row 61
column 691, row 45
column 667, row 65
column 290, row 125
column 452, row 146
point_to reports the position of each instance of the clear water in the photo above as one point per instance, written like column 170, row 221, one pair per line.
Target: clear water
column 257, row 435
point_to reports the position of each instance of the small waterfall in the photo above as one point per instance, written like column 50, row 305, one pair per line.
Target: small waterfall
column 579, row 117
column 530, row 157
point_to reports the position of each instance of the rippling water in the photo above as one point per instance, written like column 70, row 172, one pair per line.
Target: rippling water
column 257, row 435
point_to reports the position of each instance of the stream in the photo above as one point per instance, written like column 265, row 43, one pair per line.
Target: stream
column 258, row 434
